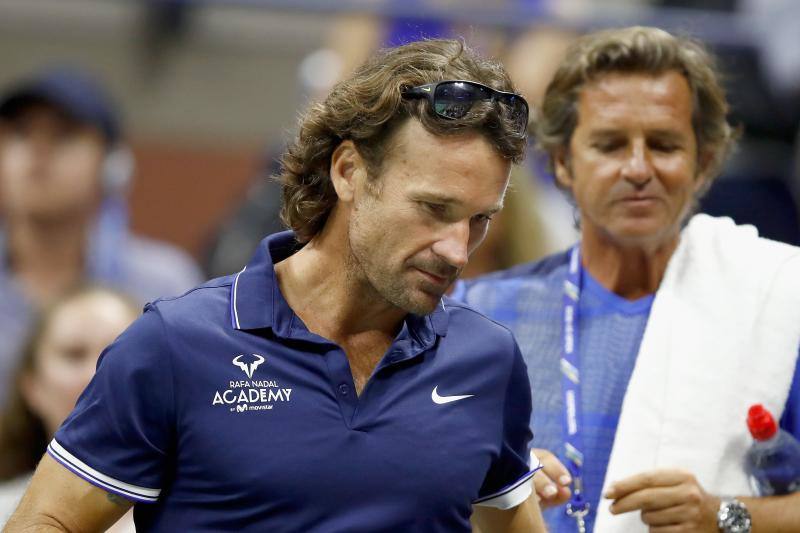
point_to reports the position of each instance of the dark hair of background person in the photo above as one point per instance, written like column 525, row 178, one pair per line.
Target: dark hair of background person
column 647, row 50
column 368, row 107
column 23, row 437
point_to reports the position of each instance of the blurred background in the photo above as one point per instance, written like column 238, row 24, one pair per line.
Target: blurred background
column 210, row 90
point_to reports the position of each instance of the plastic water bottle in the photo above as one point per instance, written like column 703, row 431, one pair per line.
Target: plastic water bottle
column 773, row 461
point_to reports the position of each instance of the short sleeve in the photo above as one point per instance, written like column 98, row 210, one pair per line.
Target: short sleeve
column 122, row 427
column 508, row 482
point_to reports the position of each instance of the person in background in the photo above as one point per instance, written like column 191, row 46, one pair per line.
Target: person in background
column 63, row 174
column 56, row 365
column 648, row 340
column 329, row 385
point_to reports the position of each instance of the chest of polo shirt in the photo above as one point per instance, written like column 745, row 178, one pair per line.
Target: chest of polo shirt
column 221, row 411
column 274, row 424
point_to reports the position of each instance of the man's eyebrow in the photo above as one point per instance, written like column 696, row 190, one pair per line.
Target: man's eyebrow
column 671, row 135
column 435, row 197
column 661, row 133
column 440, row 198
column 605, row 132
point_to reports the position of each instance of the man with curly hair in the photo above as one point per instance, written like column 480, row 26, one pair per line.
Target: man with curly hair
column 329, row 385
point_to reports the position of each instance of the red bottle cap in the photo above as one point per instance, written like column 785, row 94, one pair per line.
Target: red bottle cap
column 761, row 423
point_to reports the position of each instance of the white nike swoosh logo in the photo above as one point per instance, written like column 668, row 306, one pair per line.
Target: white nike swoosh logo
column 447, row 399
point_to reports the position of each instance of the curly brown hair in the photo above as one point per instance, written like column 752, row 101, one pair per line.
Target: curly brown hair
column 638, row 49
column 368, row 107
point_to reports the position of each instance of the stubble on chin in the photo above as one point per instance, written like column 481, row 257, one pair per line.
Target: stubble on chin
column 399, row 289
column 404, row 292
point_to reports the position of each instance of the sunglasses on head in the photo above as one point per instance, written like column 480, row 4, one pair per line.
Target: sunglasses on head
column 452, row 99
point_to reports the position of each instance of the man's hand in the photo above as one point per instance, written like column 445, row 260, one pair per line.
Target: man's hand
column 551, row 483
column 669, row 501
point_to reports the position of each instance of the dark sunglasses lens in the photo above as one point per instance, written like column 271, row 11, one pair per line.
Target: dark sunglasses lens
column 454, row 100
column 518, row 111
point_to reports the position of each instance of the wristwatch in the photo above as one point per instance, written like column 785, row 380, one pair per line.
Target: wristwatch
column 733, row 516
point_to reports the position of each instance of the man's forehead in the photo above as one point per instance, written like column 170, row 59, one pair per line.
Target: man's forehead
column 412, row 140
column 446, row 169
column 36, row 111
column 663, row 98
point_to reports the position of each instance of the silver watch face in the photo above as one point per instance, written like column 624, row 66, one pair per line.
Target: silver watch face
column 733, row 517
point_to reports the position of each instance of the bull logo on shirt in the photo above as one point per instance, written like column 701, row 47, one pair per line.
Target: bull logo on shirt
column 248, row 368
column 246, row 395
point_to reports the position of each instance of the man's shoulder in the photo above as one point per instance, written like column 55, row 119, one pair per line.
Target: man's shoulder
column 175, row 329
column 529, row 279
column 718, row 247
column 467, row 320
column 725, row 237
column 543, row 268
column 483, row 338
column 209, row 301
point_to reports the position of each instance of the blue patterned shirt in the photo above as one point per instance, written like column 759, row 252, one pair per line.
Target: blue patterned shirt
column 528, row 299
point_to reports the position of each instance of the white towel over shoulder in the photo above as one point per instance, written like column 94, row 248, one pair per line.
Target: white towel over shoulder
column 723, row 334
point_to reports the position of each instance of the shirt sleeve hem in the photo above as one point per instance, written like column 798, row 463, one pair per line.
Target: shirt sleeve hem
column 509, row 496
column 98, row 479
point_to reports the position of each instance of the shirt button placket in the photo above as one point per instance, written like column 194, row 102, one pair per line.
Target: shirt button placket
column 341, row 383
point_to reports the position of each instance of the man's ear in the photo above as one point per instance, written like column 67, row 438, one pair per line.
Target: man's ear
column 347, row 169
column 705, row 162
column 561, row 166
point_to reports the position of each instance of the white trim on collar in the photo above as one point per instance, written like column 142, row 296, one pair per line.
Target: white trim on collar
column 233, row 304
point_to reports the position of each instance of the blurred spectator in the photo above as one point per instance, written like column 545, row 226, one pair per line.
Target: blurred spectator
column 57, row 363
column 257, row 216
column 548, row 45
column 63, row 174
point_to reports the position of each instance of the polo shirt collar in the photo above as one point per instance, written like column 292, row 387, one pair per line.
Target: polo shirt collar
column 257, row 303
column 255, row 288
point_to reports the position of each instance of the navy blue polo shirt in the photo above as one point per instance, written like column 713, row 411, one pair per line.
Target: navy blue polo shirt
column 222, row 411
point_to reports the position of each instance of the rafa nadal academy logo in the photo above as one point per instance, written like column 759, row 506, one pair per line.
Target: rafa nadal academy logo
column 248, row 368
column 251, row 394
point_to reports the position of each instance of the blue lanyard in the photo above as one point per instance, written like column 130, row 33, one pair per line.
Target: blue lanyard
column 577, row 507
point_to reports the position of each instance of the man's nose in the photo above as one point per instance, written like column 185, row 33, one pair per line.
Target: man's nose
column 638, row 169
column 453, row 244
column 39, row 146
